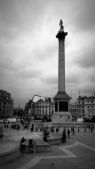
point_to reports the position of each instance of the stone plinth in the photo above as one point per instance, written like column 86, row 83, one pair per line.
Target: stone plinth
column 62, row 113
column 61, row 101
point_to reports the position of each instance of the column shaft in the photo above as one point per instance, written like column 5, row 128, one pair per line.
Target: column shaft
column 61, row 65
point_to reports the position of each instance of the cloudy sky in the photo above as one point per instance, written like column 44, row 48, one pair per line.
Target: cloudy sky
column 29, row 48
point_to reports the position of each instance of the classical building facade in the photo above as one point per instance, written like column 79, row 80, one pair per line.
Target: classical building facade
column 73, row 108
column 86, row 106
column 42, row 107
column 6, row 104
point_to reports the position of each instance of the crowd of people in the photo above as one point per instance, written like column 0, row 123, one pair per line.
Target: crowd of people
column 65, row 131
column 21, row 125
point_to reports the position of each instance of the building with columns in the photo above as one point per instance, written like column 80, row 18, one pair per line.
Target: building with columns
column 43, row 108
column 86, row 106
column 73, row 109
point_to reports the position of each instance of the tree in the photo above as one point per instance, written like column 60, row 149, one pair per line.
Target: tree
column 18, row 112
column 27, row 107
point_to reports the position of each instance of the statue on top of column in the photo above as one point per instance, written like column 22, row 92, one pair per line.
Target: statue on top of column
column 61, row 26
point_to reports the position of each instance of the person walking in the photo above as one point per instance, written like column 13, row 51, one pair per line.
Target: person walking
column 64, row 136
column 68, row 133
column 78, row 128
column 73, row 131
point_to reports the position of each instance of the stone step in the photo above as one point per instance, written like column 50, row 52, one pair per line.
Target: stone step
column 41, row 146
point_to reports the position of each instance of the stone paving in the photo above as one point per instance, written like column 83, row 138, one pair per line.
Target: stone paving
column 18, row 134
column 77, row 153
column 12, row 139
column 8, row 146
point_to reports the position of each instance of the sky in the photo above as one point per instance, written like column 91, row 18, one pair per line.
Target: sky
column 29, row 48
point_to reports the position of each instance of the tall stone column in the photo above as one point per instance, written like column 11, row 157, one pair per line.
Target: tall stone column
column 61, row 62
column 61, row 98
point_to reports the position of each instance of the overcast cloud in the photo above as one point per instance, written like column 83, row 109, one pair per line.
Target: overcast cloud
column 29, row 48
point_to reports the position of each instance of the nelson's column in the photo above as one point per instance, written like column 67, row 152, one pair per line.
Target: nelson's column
column 61, row 98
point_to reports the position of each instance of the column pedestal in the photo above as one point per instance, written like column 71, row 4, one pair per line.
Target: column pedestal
column 62, row 113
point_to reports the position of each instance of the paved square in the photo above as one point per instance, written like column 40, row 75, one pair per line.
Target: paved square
column 77, row 153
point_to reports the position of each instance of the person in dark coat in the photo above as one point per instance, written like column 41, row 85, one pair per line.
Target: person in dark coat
column 22, row 144
column 45, row 138
column 68, row 133
column 31, row 146
column 64, row 136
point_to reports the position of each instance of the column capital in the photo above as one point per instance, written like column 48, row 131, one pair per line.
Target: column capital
column 61, row 35
column 62, row 95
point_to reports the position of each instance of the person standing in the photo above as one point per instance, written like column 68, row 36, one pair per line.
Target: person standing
column 68, row 133
column 78, row 128
column 73, row 131
column 64, row 136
